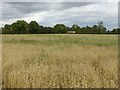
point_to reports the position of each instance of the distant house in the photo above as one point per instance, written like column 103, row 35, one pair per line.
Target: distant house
column 71, row 32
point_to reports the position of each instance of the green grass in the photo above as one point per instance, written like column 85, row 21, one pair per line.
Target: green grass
column 84, row 40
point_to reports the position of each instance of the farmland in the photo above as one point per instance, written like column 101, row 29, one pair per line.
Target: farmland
column 59, row 61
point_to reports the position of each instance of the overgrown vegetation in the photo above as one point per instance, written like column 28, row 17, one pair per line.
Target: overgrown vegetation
column 22, row 27
column 60, row 61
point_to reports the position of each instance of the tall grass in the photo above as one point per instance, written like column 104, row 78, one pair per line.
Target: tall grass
column 60, row 61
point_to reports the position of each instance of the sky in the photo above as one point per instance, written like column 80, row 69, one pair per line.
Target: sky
column 52, row 12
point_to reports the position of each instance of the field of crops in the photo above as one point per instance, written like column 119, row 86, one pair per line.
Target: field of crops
column 60, row 61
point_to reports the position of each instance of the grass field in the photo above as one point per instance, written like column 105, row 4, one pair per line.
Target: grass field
column 60, row 61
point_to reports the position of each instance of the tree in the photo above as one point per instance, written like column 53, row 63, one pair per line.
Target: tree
column 60, row 28
column 20, row 27
column 34, row 28
column 101, row 28
column 68, row 28
column 45, row 30
column 117, row 30
column 95, row 29
column 7, row 29
column 104, row 30
column 75, row 28
column 88, row 29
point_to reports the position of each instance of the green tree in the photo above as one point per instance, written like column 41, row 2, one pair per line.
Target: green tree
column 34, row 27
column 95, row 29
column 20, row 27
column 117, row 30
column 60, row 28
column 76, row 28
column 7, row 29
column 101, row 28
column 1, row 30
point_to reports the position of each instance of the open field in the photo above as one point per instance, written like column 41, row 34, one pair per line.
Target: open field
column 41, row 61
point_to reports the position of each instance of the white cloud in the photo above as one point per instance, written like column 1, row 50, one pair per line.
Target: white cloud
column 36, row 16
column 87, row 15
column 84, row 15
column 60, row 1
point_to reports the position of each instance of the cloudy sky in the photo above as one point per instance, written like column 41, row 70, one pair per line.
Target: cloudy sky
column 49, row 13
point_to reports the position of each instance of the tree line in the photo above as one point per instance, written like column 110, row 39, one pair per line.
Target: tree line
column 22, row 27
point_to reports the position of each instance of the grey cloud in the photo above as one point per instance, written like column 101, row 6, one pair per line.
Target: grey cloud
column 20, row 9
column 60, row 0
column 61, row 12
column 29, row 7
column 75, row 4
